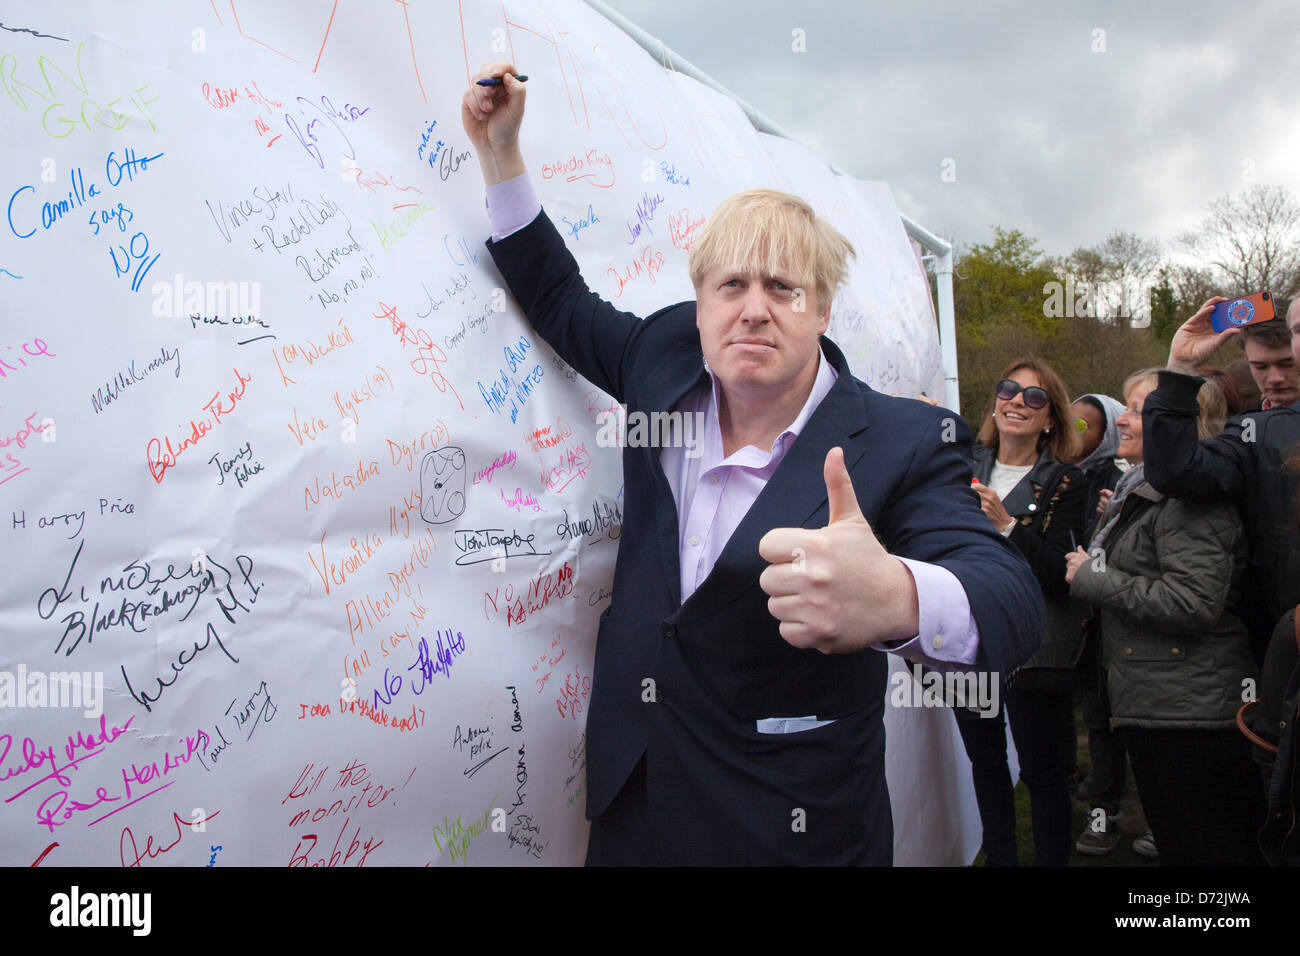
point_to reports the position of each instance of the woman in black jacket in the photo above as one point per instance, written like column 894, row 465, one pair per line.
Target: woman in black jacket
column 1034, row 497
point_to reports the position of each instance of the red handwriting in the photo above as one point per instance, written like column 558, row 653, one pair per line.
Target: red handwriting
column 546, row 437
column 311, row 352
column 587, row 167
column 648, row 263
column 682, row 228
column 220, row 98
column 263, row 129
column 333, row 488
column 162, row 455
column 369, row 385
column 150, row 851
column 545, row 660
column 338, row 572
column 362, row 708
column 410, row 505
column 336, row 858
column 427, row 440
column 570, row 465
column 379, row 180
column 224, row 97
column 368, row 611
column 541, row 590
column 44, row 854
column 573, row 695
column 427, row 351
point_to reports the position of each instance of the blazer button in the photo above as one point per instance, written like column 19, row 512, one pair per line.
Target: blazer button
column 1033, row 507
column 670, row 630
column 1174, row 651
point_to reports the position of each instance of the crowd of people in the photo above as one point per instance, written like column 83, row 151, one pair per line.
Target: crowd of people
column 1163, row 530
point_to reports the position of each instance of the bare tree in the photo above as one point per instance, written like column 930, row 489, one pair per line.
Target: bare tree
column 1193, row 285
column 1252, row 240
column 1132, row 263
column 1116, row 274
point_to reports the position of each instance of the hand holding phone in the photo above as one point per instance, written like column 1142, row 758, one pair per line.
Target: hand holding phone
column 1242, row 311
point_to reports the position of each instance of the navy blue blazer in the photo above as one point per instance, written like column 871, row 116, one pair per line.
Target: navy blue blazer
column 684, row 683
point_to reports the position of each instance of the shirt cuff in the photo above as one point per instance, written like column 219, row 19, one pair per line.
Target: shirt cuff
column 949, row 637
column 511, row 205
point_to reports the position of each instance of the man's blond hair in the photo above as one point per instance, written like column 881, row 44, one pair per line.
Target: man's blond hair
column 772, row 233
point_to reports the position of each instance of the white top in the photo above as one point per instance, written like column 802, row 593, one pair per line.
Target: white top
column 1006, row 477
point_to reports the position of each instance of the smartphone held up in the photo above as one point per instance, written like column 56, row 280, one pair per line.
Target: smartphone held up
column 1246, row 310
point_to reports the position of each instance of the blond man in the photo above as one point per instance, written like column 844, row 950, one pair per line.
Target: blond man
column 736, row 712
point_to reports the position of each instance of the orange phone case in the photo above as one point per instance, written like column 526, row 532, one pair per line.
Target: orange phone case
column 1246, row 310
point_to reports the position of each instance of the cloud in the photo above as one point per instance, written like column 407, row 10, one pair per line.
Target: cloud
column 1057, row 129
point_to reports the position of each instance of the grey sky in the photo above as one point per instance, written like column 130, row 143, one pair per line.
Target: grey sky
column 1048, row 136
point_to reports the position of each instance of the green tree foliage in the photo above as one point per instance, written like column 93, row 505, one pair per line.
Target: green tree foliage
column 999, row 283
column 1010, row 303
column 1166, row 314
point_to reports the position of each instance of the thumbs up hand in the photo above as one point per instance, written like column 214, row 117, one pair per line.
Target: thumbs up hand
column 836, row 588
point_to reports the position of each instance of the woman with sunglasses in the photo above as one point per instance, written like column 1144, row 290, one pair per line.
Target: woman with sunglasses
column 1034, row 497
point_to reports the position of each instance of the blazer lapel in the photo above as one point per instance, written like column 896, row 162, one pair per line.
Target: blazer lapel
column 682, row 370
column 795, row 492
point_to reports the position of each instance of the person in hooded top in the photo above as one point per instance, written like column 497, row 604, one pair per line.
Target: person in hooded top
column 1095, row 417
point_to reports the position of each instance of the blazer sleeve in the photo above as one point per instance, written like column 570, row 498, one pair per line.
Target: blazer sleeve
column 1046, row 552
column 1194, row 547
column 585, row 330
column 934, row 516
column 1177, row 464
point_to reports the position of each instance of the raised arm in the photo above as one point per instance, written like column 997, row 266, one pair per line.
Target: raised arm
column 1177, row 464
column 492, row 116
column 584, row 329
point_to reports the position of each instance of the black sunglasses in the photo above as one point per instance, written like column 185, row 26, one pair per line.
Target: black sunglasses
column 1035, row 397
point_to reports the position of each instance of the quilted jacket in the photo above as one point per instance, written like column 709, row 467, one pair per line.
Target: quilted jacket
column 1175, row 657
